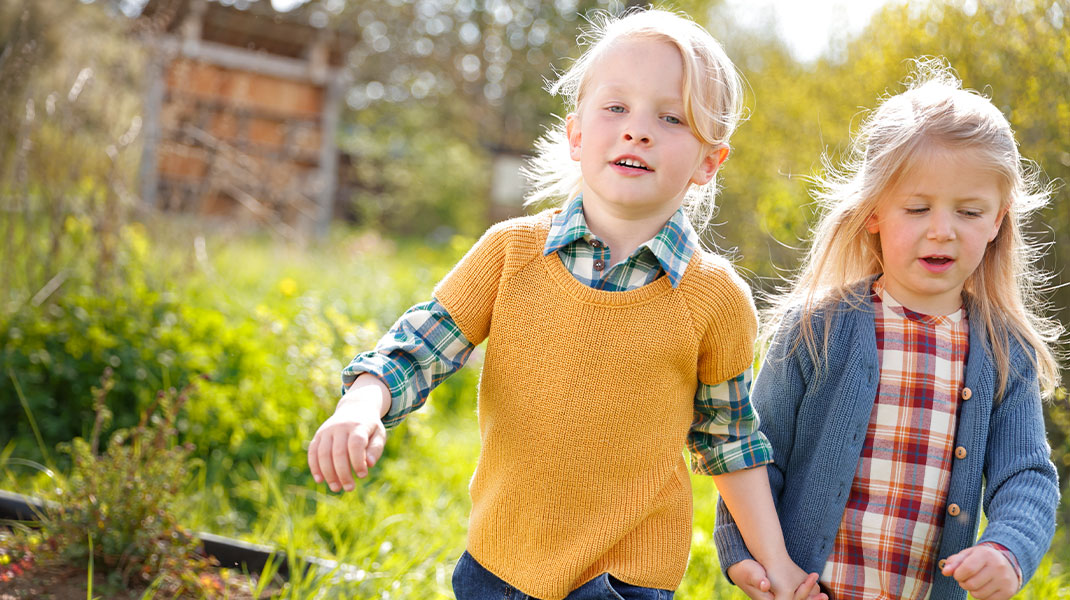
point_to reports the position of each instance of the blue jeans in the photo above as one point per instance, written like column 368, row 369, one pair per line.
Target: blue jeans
column 473, row 582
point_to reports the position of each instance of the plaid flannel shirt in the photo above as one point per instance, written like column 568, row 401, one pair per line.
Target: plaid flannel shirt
column 425, row 345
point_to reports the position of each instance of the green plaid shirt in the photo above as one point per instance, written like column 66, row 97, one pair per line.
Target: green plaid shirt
column 425, row 345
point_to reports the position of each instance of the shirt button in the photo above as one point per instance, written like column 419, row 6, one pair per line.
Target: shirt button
column 960, row 452
column 596, row 244
column 967, row 393
column 599, row 264
column 953, row 510
column 941, row 563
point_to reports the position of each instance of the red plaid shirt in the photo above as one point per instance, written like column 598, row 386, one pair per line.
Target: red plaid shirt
column 888, row 539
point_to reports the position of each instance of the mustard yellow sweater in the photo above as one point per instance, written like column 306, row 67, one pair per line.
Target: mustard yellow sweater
column 585, row 402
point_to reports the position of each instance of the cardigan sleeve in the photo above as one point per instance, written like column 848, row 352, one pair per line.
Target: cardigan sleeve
column 778, row 390
column 1021, row 490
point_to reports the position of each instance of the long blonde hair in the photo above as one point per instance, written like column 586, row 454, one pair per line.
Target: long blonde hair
column 712, row 94
column 1004, row 291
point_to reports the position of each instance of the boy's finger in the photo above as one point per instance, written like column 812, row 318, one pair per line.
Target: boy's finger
column 340, row 457
column 313, row 460
column 375, row 447
column 326, row 463
column 357, row 458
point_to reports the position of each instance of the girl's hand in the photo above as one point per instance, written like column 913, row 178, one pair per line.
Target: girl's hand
column 352, row 439
column 791, row 582
column 809, row 590
column 749, row 576
column 984, row 572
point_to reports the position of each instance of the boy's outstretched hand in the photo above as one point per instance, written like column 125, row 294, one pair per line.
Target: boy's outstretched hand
column 984, row 572
column 750, row 576
column 352, row 439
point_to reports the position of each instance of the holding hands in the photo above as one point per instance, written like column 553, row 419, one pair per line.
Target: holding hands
column 352, row 439
column 752, row 578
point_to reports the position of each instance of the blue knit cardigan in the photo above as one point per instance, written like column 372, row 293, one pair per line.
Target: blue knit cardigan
column 817, row 423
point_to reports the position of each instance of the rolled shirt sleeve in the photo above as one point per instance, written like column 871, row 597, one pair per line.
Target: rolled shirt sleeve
column 423, row 348
column 724, row 434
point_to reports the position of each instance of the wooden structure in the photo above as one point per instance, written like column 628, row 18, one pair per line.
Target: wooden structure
column 241, row 107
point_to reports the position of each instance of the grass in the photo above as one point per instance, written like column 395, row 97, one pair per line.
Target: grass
column 403, row 528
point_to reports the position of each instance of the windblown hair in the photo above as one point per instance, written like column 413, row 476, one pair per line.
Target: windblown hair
column 712, row 94
column 934, row 114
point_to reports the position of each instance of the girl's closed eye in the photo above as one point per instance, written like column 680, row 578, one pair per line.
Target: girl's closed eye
column 917, row 210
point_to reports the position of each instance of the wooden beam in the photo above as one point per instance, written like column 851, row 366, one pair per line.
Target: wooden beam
column 328, row 168
column 154, row 94
column 238, row 58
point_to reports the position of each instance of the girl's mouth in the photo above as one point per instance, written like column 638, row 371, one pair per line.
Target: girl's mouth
column 937, row 264
column 937, row 260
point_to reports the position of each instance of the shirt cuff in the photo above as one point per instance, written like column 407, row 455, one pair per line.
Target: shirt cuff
column 388, row 371
column 711, row 458
column 1010, row 556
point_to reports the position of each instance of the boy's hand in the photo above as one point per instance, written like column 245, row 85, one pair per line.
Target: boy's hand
column 352, row 439
column 749, row 576
column 984, row 572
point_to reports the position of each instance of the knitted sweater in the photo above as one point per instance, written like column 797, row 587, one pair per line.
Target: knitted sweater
column 817, row 420
column 569, row 486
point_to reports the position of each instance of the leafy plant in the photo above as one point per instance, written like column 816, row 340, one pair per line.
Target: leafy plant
column 116, row 509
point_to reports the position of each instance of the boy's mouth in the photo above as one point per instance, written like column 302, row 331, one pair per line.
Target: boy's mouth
column 632, row 163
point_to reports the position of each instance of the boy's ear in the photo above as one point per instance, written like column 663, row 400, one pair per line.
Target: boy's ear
column 713, row 160
column 572, row 130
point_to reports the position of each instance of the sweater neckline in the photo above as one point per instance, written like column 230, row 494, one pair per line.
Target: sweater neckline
column 584, row 293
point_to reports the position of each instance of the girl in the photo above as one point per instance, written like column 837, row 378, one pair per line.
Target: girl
column 612, row 341
column 909, row 365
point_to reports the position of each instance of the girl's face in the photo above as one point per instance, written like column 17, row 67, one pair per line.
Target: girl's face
column 934, row 226
column 631, row 136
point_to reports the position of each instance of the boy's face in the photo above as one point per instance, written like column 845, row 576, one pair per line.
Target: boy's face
column 630, row 133
column 934, row 226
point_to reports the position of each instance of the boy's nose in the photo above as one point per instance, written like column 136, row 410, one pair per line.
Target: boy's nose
column 636, row 131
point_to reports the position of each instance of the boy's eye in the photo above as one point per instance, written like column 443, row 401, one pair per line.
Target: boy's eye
column 616, row 109
column 672, row 120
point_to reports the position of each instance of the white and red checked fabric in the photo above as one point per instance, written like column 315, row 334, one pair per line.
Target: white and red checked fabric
column 888, row 538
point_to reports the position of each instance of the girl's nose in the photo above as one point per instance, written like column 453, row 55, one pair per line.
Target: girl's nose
column 940, row 227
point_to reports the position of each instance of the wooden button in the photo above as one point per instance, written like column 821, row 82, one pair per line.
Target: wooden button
column 960, row 452
column 967, row 393
column 953, row 510
column 941, row 563
column 599, row 264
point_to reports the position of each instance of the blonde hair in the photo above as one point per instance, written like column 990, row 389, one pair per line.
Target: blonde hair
column 712, row 95
column 1003, row 293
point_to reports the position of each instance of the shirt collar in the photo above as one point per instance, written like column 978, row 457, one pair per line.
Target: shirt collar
column 673, row 246
column 896, row 307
